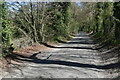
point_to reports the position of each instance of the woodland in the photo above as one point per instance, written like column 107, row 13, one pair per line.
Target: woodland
column 30, row 23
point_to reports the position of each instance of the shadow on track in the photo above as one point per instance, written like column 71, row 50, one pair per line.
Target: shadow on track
column 68, row 47
column 79, row 42
column 74, row 64
column 80, row 39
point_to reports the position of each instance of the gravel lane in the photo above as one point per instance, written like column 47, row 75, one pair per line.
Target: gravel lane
column 74, row 59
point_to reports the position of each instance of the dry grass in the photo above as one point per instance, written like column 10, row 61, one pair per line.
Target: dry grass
column 30, row 50
column 4, row 63
column 26, row 52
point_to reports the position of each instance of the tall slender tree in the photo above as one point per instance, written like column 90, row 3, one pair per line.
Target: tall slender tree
column 117, row 19
column 6, row 31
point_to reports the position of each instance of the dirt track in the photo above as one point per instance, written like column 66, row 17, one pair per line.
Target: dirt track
column 74, row 59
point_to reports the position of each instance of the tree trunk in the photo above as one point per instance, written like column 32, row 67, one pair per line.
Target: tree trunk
column 42, row 23
column 33, row 23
